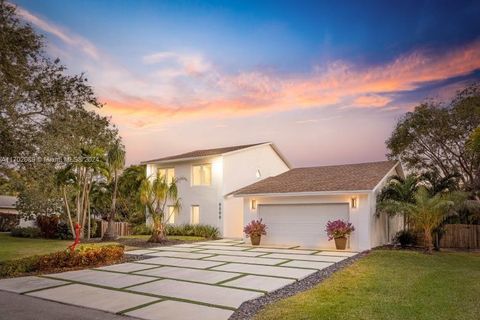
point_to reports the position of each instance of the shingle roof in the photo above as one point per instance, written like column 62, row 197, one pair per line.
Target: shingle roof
column 7, row 202
column 203, row 153
column 349, row 177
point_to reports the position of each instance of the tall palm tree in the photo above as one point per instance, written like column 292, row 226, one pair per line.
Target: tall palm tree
column 155, row 195
column 395, row 193
column 428, row 212
column 438, row 183
column 116, row 162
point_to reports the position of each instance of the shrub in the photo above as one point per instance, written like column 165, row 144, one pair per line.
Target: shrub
column 8, row 221
column 48, row 225
column 63, row 231
column 26, row 232
column 195, row 230
column 142, row 229
column 405, row 238
column 255, row 228
column 338, row 229
column 84, row 256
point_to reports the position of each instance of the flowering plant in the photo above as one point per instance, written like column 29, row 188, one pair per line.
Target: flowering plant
column 338, row 229
column 255, row 228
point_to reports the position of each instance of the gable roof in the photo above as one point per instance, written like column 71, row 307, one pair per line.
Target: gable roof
column 349, row 177
column 8, row 202
column 198, row 154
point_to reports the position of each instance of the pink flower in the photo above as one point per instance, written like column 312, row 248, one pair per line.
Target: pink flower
column 338, row 229
column 255, row 228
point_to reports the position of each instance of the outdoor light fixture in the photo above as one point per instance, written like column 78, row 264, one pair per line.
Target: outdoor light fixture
column 254, row 205
column 354, row 203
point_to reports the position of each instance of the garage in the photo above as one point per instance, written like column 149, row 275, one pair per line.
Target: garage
column 300, row 224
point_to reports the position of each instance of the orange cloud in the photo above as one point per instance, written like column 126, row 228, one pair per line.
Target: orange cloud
column 371, row 101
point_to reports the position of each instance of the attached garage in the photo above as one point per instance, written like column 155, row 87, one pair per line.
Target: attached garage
column 300, row 224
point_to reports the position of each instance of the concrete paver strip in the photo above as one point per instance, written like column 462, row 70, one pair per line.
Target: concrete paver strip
column 251, row 260
column 217, row 247
column 259, row 283
column 233, row 253
column 307, row 264
column 226, row 244
column 25, row 284
column 205, row 276
column 139, row 252
column 102, row 278
column 178, row 262
column 179, row 249
column 275, row 250
column 176, row 310
column 210, row 294
column 337, row 253
column 125, row 267
column 174, row 254
column 305, row 257
column 185, row 245
column 266, row 270
column 93, row 297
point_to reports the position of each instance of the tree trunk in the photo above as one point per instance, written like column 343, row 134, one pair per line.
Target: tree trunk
column 428, row 240
column 110, row 233
column 158, row 234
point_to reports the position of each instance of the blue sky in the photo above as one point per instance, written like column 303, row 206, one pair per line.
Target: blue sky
column 326, row 81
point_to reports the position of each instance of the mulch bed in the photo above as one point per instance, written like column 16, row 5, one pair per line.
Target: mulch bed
column 250, row 308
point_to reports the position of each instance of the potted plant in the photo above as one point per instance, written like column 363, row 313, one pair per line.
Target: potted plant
column 339, row 230
column 255, row 229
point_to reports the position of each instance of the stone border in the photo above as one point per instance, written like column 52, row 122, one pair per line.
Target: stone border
column 249, row 309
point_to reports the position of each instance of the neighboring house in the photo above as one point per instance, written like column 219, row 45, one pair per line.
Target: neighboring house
column 297, row 204
column 8, row 210
column 228, row 187
column 213, row 173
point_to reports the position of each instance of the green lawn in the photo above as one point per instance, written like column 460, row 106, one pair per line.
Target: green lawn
column 391, row 285
column 16, row 248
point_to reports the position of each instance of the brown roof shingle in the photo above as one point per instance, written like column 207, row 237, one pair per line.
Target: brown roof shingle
column 349, row 177
column 203, row 153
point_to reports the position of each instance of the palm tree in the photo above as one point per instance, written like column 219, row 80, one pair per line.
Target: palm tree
column 155, row 195
column 437, row 183
column 116, row 162
column 428, row 212
column 395, row 193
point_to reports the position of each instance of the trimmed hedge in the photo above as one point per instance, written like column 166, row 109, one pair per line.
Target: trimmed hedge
column 26, row 232
column 84, row 256
column 196, row 230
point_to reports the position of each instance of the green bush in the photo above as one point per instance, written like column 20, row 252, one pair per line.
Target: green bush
column 196, row 230
column 48, row 225
column 8, row 221
column 84, row 256
column 26, row 232
column 142, row 229
column 63, row 231
column 405, row 238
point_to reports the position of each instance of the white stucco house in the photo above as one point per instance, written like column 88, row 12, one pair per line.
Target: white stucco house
column 230, row 186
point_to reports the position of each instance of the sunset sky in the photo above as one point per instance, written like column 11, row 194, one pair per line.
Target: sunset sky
column 325, row 81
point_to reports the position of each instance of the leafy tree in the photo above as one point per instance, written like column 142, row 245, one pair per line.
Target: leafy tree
column 116, row 162
column 155, row 194
column 129, row 206
column 434, row 136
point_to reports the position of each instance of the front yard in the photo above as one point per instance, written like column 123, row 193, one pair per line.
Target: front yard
column 16, row 248
column 391, row 285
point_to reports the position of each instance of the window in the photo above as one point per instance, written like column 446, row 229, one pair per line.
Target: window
column 170, row 218
column 202, row 175
column 169, row 173
column 195, row 215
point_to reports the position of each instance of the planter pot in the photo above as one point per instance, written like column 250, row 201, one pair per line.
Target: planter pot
column 341, row 243
column 255, row 240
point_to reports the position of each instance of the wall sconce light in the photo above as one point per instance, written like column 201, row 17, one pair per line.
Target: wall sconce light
column 354, row 203
column 253, row 204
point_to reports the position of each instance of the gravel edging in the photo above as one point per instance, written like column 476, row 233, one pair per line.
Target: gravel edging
column 250, row 308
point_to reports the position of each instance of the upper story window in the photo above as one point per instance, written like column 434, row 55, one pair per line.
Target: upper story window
column 168, row 173
column 202, row 175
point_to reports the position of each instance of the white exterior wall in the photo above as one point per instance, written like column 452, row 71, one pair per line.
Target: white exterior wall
column 239, row 170
column 206, row 197
column 360, row 217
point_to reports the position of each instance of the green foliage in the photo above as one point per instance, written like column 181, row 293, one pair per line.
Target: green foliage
column 197, row 230
column 48, row 225
column 26, row 232
column 129, row 206
column 142, row 229
column 63, row 231
column 8, row 221
column 405, row 238
column 84, row 256
column 395, row 193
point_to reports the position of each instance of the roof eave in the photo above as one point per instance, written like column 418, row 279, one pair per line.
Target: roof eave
column 296, row 194
column 179, row 159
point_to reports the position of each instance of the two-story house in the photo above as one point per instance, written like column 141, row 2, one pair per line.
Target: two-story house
column 210, row 175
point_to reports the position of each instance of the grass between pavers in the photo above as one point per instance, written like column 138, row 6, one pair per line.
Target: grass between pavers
column 390, row 284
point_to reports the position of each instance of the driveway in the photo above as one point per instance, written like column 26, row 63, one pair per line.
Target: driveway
column 203, row 280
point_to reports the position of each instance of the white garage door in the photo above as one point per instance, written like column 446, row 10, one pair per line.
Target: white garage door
column 300, row 224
